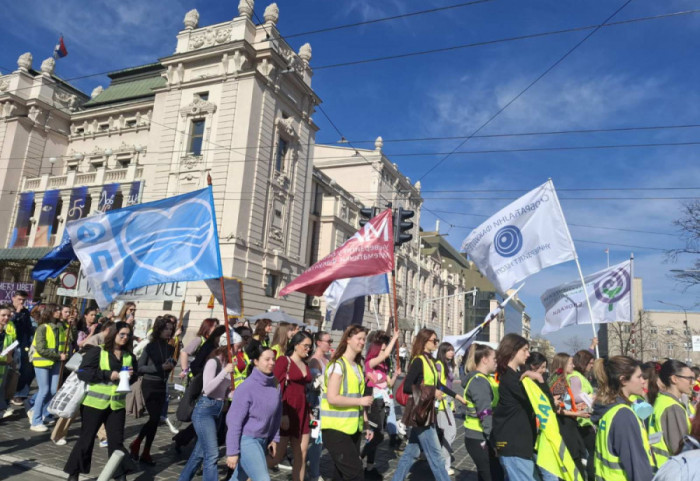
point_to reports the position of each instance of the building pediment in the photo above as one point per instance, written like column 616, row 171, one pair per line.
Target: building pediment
column 197, row 108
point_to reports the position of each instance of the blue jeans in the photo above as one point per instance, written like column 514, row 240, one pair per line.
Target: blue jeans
column 47, row 379
column 251, row 460
column 519, row 469
column 428, row 440
column 206, row 451
column 313, row 458
column 391, row 420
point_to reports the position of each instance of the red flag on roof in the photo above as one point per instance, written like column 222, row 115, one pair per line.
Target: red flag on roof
column 367, row 253
column 60, row 50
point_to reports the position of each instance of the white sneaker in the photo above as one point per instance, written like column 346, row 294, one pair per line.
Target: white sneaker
column 30, row 414
column 451, row 472
column 401, row 428
column 171, row 426
column 60, row 442
column 8, row 412
column 39, row 428
column 285, row 465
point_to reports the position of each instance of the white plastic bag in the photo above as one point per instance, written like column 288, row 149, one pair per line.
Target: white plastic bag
column 68, row 399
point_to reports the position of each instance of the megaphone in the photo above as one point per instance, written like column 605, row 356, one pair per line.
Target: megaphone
column 124, row 377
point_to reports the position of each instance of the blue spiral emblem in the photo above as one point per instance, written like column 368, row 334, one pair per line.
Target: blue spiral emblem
column 508, row 241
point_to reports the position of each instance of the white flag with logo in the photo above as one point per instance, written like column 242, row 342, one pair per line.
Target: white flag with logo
column 610, row 294
column 521, row 239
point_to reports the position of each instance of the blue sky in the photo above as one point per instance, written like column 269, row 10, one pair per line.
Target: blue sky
column 630, row 75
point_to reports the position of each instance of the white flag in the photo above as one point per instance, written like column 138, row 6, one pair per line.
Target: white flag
column 610, row 293
column 521, row 239
column 343, row 290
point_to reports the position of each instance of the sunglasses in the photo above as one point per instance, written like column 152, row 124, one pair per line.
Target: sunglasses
column 689, row 378
column 435, row 340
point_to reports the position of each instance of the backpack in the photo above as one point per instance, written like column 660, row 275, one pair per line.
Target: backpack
column 192, row 394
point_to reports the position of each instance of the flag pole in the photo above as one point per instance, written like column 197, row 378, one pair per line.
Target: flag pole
column 223, row 299
column 641, row 336
column 177, row 344
column 396, row 311
column 578, row 266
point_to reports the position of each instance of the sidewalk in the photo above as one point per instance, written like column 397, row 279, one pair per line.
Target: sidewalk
column 35, row 454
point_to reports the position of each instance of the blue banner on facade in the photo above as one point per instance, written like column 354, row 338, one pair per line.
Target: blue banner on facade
column 134, row 193
column 76, row 208
column 20, row 234
column 46, row 218
column 109, row 193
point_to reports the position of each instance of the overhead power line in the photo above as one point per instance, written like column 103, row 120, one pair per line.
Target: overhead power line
column 528, row 87
column 501, row 40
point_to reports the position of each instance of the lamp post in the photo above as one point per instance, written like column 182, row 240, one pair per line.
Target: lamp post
column 689, row 339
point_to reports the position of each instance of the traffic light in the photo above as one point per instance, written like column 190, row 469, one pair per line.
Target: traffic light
column 366, row 214
column 401, row 225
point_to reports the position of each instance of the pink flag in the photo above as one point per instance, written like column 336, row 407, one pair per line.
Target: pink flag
column 367, row 253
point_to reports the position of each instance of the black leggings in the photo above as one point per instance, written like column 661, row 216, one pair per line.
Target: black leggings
column 376, row 416
column 154, row 397
column 487, row 466
column 80, row 458
column 345, row 453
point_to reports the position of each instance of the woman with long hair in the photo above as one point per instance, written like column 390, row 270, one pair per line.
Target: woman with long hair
column 254, row 419
column 514, row 429
column 8, row 335
column 342, row 408
column 127, row 314
column 155, row 365
column 582, row 389
column 216, row 385
column 294, row 375
column 261, row 336
column 567, row 410
column 100, row 369
column 284, row 332
column 379, row 381
column 447, row 428
column 190, row 350
column 49, row 347
column 88, row 326
column 317, row 366
column 622, row 447
column 670, row 418
column 423, row 435
column 481, row 396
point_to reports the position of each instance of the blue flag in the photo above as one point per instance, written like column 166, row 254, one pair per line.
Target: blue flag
column 169, row 240
column 53, row 263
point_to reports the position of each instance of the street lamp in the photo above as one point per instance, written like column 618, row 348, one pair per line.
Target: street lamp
column 52, row 160
column 689, row 339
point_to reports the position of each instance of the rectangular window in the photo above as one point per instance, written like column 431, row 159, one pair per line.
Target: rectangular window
column 669, row 331
column 203, row 96
column 271, row 284
column 196, row 137
column 653, row 330
column 281, row 154
column 669, row 346
column 652, row 345
column 130, row 123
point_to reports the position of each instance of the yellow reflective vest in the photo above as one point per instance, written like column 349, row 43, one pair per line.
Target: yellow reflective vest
column 105, row 395
column 278, row 350
column 442, row 405
column 661, row 451
column 585, row 387
column 10, row 337
column 471, row 419
column 348, row 420
column 552, row 455
column 240, row 375
column 607, row 465
column 59, row 347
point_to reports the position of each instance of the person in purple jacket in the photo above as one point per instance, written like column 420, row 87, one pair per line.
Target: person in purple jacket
column 254, row 419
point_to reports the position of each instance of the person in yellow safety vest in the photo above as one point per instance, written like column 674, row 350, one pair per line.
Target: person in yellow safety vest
column 47, row 353
column 191, row 348
column 670, row 421
column 284, row 332
column 622, row 450
column 8, row 335
column 445, row 365
column 581, row 387
column 103, row 403
column 481, row 396
column 552, row 455
column 423, row 435
column 343, row 403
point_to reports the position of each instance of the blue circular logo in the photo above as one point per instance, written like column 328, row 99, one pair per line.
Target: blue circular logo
column 90, row 232
column 508, row 241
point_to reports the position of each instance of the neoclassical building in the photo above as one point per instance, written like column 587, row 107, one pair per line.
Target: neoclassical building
column 233, row 101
